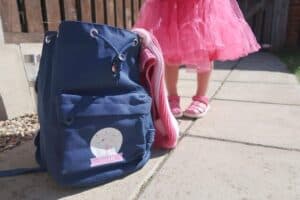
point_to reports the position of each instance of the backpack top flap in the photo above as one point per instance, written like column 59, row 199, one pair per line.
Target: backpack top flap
column 96, row 58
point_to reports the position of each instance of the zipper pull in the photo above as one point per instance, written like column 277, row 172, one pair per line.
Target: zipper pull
column 117, row 65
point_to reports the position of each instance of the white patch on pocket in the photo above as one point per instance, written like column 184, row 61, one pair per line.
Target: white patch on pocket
column 106, row 142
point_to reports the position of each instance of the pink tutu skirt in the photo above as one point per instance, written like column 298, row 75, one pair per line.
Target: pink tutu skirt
column 196, row 32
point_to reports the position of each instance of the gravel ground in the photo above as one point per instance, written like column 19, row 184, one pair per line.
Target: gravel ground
column 15, row 131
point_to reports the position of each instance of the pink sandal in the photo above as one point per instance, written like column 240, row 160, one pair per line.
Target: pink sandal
column 174, row 102
column 198, row 108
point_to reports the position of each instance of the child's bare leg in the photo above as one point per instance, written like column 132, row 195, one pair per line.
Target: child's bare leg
column 203, row 82
column 171, row 82
column 172, row 79
column 199, row 105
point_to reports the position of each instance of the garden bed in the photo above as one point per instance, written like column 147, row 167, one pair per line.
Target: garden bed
column 15, row 131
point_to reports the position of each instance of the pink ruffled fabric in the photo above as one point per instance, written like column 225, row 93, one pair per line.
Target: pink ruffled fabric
column 196, row 32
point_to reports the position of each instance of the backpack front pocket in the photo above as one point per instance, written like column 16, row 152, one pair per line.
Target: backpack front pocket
column 103, row 132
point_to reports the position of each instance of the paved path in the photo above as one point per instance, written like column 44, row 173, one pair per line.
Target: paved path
column 248, row 146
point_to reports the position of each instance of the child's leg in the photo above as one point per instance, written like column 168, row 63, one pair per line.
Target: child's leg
column 199, row 105
column 202, row 82
column 172, row 79
column 171, row 82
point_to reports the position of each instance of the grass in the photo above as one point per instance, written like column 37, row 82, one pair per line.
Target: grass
column 291, row 57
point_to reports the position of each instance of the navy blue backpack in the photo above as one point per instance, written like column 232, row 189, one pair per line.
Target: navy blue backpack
column 95, row 118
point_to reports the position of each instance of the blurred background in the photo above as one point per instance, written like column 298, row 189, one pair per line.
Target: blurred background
column 276, row 23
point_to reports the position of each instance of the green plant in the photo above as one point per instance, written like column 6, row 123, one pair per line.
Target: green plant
column 291, row 57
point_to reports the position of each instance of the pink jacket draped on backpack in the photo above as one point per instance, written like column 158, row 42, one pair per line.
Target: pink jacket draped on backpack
column 152, row 73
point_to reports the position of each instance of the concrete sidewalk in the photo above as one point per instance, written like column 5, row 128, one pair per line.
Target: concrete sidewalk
column 247, row 147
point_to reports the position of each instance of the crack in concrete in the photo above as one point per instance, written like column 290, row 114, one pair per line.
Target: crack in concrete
column 243, row 143
column 256, row 102
column 149, row 180
column 226, row 78
column 262, row 82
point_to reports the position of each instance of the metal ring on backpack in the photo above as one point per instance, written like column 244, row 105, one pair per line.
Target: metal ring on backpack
column 94, row 33
column 135, row 42
column 47, row 40
column 122, row 57
column 68, row 121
